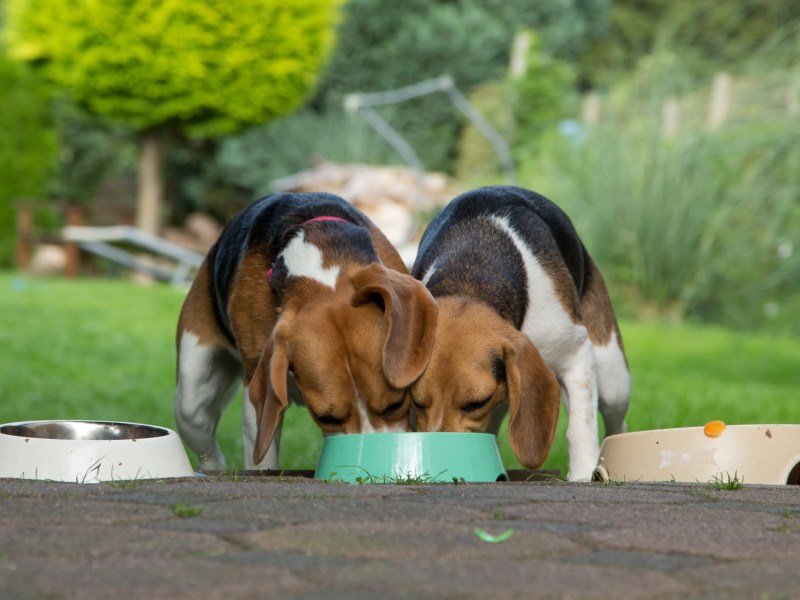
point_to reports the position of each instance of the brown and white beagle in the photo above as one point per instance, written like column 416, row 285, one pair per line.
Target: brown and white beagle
column 522, row 309
column 300, row 283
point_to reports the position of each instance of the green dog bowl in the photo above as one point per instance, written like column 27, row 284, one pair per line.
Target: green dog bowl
column 410, row 458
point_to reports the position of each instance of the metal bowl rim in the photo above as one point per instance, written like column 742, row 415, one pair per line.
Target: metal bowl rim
column 158, row 432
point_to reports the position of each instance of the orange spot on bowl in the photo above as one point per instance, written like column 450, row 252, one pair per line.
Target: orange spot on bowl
column 714, row 428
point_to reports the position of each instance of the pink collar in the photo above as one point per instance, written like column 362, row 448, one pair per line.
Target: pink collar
column 324, row 218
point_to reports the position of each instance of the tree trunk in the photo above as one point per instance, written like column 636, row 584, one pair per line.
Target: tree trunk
column 151, row 183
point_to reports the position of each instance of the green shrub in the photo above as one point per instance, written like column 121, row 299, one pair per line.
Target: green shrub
column 705, row 225
column 27, row 145
column 544, row 95
column 206, row 67
column 90, row 150
column 521, row 108
column 477, row 159
column 201, row 68
column 384, row 45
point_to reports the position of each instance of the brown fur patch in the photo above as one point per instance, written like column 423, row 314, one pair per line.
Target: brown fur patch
column 462, row 375
column 197, row 314
column 250, row 310
column 387, row 253
column 564, row 287
column 597, row 311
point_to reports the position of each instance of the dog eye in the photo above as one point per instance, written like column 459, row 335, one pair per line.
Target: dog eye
column 328, row 420
column 394, row 407
column 473, row 406
column 417, row 404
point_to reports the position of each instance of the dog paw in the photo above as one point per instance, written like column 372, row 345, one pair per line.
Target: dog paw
column 211, row 464
column 581, row 472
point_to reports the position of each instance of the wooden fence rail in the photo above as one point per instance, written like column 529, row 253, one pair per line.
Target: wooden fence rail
column 725, row 100
column 28, row 235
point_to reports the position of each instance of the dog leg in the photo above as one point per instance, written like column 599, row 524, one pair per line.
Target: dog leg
column 249, row 433
column 579, row 389
column 613, row 377
column 208, row 378
column 614, row 385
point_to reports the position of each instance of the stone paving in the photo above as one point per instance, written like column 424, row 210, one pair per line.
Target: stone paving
column 233, row 536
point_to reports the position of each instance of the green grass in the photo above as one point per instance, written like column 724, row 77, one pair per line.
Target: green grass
column 724, row 482
column 105, row 350
column 185, row 511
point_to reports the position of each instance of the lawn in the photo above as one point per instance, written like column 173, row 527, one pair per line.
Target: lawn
column 96, row 349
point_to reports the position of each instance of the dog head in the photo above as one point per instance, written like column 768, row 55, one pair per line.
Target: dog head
column 352, row 352
column 482, row 366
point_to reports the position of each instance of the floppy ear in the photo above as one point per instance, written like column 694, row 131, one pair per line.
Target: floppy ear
column 267, row 392
column 410, row 314
column 535, row 399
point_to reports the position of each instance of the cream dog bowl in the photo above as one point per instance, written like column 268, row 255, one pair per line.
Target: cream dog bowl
column 433, row 457
column 767, row 454
column 90, row 451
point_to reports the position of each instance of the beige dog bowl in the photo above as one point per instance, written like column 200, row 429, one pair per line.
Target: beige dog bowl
column 768, row 454
column 90, row 451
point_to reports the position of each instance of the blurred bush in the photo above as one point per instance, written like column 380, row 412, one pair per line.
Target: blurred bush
column 689, row 221
column 477, row 160
column 543, row 95
column 739, row 34
column 381, row 45
column 27, row 145
column 705, row 225
column 208, row 67
column 91, row 149
column 194, row 69
column 384, row 45
column 532, row 99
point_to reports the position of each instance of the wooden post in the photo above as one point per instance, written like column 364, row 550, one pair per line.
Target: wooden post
column 24, row 232
column 590, row 109
column 792, row 103
column 151, row 183
column 720, row 100
column 519, row 55
column 669, row 117
column 74, row 217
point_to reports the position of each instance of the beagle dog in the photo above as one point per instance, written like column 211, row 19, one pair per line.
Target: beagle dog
column 522, row 309
column 300, row 283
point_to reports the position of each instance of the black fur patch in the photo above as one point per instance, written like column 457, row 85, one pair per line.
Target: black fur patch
column 474, row 258
column 499, row 369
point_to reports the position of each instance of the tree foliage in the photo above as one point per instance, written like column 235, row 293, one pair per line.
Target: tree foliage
column 384, row 45
column 542, row 93
column 27, row 144
column 91, row 150
column 202, row 68
column 703, row 35
column 207, row 67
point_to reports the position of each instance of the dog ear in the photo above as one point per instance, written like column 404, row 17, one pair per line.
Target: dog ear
column 534, row 398
column 410, row 314
column 268, row 394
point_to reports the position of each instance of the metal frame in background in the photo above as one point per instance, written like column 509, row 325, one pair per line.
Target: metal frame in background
column 361, row 104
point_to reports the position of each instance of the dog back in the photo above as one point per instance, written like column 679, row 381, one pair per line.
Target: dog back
column 265, row 227
column 464, row 252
